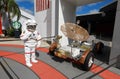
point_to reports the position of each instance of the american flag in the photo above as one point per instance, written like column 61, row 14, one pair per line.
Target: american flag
column 42, row 5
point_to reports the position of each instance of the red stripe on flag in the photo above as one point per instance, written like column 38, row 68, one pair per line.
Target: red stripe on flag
column 38, row 5
column 48, row 4
column 42, row 5
column 45, row 4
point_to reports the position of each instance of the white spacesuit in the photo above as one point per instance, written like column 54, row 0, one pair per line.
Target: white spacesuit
column 30, row 37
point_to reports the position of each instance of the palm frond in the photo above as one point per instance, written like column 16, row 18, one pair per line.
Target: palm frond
column 11, row 7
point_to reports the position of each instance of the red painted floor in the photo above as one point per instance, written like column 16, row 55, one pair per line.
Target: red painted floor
column 105, row 74
column 43, row 70
column 46, row 72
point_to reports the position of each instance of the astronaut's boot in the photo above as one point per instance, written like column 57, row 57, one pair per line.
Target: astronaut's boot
column 33, row 58
column 27, row 59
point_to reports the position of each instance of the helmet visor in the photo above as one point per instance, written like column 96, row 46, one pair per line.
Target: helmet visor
column 32, row 27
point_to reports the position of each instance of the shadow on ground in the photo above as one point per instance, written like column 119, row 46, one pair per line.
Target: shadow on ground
column 104, row 55
column 60, row 60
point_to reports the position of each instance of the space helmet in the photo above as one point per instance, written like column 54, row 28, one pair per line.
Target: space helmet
column 31, row 25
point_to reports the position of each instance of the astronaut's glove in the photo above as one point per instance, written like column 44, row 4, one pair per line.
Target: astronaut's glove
column 32, row 36
column 38, row 44
column 25, row 35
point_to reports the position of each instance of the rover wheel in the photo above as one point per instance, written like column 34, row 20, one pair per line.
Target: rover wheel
column 36, row 53
column 98, row 48
column 88, row 62
column 51, row 52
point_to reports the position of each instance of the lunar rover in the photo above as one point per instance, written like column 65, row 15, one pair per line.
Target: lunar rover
column 80, row 51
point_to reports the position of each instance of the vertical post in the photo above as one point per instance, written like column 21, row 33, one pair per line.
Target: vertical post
column 54, row 17
column 115, row 50
column 0, row 26
column 89, row 27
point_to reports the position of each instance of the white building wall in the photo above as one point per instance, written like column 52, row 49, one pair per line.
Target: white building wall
column 50, row 20
column 43, row 19
column 24, row 16
column 66, row 14
column 55, row 17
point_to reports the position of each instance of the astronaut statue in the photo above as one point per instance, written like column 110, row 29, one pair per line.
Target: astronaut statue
column 31, row 39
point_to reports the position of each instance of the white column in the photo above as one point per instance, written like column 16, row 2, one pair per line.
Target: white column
column 115, row 50
column 66, row 14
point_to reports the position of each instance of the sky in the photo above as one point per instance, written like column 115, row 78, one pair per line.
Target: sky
column 92, row 8
column 28, row 5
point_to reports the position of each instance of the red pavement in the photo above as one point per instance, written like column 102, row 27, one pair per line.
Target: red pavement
column 46, row 72
column 43, row 70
